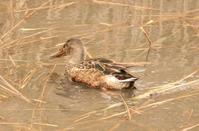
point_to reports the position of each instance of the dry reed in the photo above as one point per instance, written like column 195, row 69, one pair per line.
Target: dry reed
column 187, row 19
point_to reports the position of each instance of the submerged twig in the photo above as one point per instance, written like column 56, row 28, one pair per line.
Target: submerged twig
column 114, row 115
column 13, row 62
column 45, row 124
column 115, row 126
column 84, row 116
column 127, row 108
column 191, row 127
column 149, row 41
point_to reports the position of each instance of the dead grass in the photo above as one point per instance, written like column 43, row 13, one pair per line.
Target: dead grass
column 10, row 63
column 8, row 87
column 40, row 102
column 191, row 127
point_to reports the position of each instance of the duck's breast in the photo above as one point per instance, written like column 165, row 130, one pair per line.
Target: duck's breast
column 90, row 77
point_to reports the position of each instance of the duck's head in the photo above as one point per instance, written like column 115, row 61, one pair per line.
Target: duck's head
column 73, row 49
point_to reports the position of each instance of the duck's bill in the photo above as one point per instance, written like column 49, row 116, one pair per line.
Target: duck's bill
column 60, row 53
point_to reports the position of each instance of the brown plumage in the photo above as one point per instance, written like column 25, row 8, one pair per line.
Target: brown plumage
column 95, row 73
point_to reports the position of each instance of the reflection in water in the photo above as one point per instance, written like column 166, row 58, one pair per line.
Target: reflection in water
column 31, row 30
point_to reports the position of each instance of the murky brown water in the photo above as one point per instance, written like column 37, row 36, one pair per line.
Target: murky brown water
column 31, row 31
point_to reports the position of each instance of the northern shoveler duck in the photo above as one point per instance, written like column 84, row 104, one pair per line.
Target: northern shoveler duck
column 95, row 73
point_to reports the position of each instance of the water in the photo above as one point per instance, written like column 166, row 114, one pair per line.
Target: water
column 110, row 30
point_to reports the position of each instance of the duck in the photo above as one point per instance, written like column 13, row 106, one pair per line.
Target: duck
column 97, row 73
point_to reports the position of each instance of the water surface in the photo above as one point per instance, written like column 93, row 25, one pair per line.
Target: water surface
column 121, row 30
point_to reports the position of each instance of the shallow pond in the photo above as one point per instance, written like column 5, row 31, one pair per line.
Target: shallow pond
column 161, row 36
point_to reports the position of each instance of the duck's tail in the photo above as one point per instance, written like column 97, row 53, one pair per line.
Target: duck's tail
column 128, row 80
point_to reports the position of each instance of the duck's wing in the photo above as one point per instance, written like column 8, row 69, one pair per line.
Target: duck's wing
column 104, row 65
column 109, row 67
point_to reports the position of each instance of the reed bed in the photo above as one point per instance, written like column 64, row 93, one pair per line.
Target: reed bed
column 23, row 70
